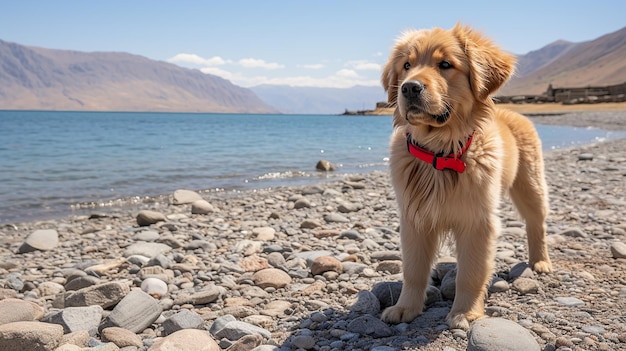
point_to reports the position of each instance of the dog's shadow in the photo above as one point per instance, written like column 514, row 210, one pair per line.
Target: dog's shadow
column 358, row 326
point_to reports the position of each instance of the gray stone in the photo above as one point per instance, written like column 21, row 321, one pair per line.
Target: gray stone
column 74, row 319
column 569, row 301
column 146, row 235
column 236, row 330
column 183, row 196
column 105, row 295
column 302, row 203
column 220, row 323
column 81, row 282
column 147, row 217
column 184, row 319
column 325, row 166
column 309, row 224
column 369, row 325
column 200, row 244
column 305, row 342
column 366, row 303
column 386, row 255
column 42, row 239
column 347, row 207
column 498, row 334
column 526, row 286
column 573, row 233
column 585, row 156
column 594, row 329
column 207, row 295
column 618, row 249
column 350, row 234
column 498, row 285
column 202, row 207
column 335, row 218
column 521, row 269
column 14, row 281
column 135, row 312
column 146, row 249
column 161, row 261
column 448, row 285
column 310, row 256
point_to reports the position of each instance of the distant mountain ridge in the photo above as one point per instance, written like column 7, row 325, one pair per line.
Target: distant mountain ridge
column 49, row 79
column 597, row 62
column 313, row 100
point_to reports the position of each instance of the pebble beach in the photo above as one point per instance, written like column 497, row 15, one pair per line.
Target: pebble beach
column 312, row 267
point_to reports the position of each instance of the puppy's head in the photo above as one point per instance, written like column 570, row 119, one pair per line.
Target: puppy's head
column 435, row 76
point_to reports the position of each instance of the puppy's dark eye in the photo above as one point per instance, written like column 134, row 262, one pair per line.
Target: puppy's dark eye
column 445, row 65
column 407, row 66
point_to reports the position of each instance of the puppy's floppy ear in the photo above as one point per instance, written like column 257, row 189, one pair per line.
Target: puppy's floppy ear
column 389, row 79
column 490, row 67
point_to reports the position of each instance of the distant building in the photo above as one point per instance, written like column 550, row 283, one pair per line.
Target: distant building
column 576, row 95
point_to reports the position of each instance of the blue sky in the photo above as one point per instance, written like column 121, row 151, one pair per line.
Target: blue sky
column 301, row 43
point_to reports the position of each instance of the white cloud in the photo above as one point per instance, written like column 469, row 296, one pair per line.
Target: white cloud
column 347, row 73
column 313, row 66
column 367, row 67
column 256, row 63
column 363, row 65
column 197, row 60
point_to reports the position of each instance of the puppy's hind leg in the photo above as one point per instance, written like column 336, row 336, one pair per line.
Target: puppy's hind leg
column 418, row 251
column 529, row 194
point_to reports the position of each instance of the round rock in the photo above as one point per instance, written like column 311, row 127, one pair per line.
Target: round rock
column 324, row 264
column 147, row 217
column 618, row 250
column 201, row 207
column 42, row 239
column 499, row 334
column 183, row 196
column 271, row 277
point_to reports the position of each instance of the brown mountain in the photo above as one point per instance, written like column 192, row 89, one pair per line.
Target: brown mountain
column 47, row 79
column 592, row 63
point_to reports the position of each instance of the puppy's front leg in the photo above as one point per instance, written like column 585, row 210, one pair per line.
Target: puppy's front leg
column 418, row 250
column 475, row 256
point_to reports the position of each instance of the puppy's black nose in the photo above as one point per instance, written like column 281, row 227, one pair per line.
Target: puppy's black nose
column 412, row 89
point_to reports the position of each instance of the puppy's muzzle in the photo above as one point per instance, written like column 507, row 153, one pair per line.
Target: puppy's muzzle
column 412, row 90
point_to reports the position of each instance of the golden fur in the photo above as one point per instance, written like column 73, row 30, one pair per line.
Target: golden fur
column 458, row 69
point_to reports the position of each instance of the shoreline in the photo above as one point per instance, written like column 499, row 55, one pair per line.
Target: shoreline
column 531, row 110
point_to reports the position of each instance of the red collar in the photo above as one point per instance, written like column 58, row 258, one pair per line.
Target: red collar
column 439, row 161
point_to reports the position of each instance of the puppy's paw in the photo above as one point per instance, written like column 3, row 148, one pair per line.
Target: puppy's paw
column 457, row 321
column 401, row 314
column 542, row 267
column 462, row 321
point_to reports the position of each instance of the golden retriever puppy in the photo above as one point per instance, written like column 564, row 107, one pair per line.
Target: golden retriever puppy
column 453, row 154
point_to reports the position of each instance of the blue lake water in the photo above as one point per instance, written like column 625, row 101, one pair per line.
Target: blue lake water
column 52, row 162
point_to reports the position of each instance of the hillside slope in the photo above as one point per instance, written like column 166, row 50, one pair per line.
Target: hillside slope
column 596, row 62
column 47, row 79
